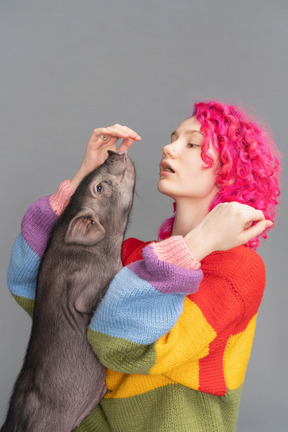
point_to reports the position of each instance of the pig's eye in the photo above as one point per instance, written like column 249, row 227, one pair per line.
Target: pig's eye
column 99, row 189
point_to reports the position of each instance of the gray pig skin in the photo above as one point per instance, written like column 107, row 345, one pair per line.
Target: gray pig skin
column 62, row 380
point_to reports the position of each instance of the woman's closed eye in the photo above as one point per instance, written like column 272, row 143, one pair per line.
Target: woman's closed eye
column 192, row 145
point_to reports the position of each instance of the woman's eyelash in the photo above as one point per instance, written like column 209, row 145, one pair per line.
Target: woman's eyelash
column 193, row 145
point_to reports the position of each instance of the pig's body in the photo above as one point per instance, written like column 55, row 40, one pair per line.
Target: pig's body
column 62, row 380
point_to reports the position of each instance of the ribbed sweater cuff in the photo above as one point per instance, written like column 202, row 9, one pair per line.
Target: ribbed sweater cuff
column 60, row 199
column 175, row 251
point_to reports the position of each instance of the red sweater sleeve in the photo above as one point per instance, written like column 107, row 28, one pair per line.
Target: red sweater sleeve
column 132, row 250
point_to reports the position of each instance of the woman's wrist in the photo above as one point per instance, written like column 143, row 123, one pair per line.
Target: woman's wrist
column 197, row 244
column 76, row 180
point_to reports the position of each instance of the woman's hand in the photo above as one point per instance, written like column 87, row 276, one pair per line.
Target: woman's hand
column 97, row 147
column 228, row 225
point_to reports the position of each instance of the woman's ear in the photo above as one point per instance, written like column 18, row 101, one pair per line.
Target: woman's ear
column 85, row 229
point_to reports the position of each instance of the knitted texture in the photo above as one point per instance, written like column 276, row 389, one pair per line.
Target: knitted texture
column 172, row 408
column 30, row 244
column 37, row 224
column 139, row 294
column 176, row 253
column 60, row 199
column 176, row 346
column 194, row 373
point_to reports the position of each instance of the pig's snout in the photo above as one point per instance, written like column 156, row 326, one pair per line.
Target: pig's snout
column 116, row 154
column 117, row 162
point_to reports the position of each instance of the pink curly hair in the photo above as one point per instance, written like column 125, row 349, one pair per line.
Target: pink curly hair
column 250, row 168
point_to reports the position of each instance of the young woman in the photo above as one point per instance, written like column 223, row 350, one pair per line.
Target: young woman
column 175, row 328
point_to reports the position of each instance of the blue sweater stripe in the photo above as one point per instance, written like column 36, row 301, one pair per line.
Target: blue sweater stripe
column 134, row 310
column 23, row 269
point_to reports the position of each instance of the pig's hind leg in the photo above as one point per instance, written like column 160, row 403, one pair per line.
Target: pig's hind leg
column 91, row 406
column 23, row 412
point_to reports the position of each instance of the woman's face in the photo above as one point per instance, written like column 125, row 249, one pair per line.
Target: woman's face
column 182, row 171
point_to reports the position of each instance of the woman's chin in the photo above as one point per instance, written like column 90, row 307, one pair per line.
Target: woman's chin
column 165, row 189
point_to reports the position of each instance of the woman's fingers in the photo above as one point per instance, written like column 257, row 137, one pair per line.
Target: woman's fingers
column 246, row 222
column 126, row 144
column 229, row 225
column 256, row 230
column 116, row 132
column 102, row 140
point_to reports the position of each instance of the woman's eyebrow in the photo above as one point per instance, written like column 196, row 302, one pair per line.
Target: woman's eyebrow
column 188, row 132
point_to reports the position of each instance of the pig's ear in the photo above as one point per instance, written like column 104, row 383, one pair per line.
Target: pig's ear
column 84, row 229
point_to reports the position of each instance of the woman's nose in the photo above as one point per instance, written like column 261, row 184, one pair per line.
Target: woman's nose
column 170, row 150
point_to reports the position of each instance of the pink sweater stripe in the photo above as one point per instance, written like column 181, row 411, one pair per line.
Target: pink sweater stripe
column 175, row 251
column 60, row 199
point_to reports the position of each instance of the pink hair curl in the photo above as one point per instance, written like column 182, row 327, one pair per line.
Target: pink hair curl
column 249, row 161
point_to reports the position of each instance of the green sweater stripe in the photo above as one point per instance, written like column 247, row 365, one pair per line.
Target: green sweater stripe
column 25, row 303
column 122, row 355
column 168, row 409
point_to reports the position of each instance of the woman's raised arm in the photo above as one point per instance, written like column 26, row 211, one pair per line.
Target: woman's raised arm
column 102, row 140
column 226, row 226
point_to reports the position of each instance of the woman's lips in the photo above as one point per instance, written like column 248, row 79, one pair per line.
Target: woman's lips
column 166, row 169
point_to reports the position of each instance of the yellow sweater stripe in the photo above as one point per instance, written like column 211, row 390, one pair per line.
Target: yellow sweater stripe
column 237, row 355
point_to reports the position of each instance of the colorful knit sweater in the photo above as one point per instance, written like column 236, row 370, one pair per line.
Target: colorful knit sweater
column 176, row 355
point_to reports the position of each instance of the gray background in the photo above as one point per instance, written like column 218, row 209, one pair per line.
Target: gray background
column 70, row 66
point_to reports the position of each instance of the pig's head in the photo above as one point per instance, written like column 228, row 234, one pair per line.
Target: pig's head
column 101, row 204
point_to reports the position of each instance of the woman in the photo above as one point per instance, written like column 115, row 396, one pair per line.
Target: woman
column 175, row 328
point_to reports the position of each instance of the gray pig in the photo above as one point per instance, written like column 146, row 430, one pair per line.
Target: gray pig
column 62, row 380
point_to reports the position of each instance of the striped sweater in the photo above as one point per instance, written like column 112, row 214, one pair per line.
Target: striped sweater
column 175, row 336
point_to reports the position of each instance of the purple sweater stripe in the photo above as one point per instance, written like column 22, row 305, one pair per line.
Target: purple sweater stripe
column 37, row 224
column 181, row 280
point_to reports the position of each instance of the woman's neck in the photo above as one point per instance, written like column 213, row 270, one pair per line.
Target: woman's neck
column 189, row 213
